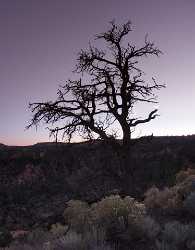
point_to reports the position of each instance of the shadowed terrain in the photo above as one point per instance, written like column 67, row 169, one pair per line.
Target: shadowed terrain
column 37, row 180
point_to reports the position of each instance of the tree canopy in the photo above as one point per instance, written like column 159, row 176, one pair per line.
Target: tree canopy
column 101, row 102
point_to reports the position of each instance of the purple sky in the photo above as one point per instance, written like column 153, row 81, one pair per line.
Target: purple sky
column 39, row 41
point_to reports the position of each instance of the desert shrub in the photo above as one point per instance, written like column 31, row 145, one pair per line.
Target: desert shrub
column 70, row 241
column 163, row 245
column 141, row 233
column 118, row 216
column 37, row 237
column 77, row 215
column 175, row 232
column 177, row 235
column 186, row 187
column 116, row 209
column 58, row 229
column 75, row 241
column 149, row 227
column 172, row 200
column 5, row 237
column 112, row 215
column 183, row 174
column 167, row 200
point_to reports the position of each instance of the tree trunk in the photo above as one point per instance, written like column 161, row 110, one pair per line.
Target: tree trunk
column 125, row 175
column 128, row 173
column 126, row 168
column 126, row 162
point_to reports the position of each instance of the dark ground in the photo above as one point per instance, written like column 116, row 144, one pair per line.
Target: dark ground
column 37, row 180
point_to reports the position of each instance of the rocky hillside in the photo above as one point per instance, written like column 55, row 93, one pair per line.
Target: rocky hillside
column 37, row 180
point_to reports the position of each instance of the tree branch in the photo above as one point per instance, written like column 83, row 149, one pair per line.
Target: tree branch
column 151, row 116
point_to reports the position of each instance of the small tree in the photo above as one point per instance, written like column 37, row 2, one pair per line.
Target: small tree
column 101, row 103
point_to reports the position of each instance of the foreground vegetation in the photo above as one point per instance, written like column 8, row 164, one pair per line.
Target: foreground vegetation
column 164, row 220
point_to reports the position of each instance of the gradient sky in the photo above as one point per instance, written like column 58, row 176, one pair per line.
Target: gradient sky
column 40, row 39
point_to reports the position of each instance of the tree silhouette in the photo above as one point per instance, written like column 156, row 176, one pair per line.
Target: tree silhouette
column 101, row 103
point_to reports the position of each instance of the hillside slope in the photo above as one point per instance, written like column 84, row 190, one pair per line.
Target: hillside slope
column 37, row 180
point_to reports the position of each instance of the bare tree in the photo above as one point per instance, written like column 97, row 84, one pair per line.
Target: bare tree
column 101, row 103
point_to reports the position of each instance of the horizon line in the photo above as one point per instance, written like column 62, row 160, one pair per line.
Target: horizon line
column 85, row 141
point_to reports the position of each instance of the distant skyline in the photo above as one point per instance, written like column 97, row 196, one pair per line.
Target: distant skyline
column 40, row 39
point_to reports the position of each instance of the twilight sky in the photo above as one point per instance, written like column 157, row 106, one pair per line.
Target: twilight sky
column 40, row 39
